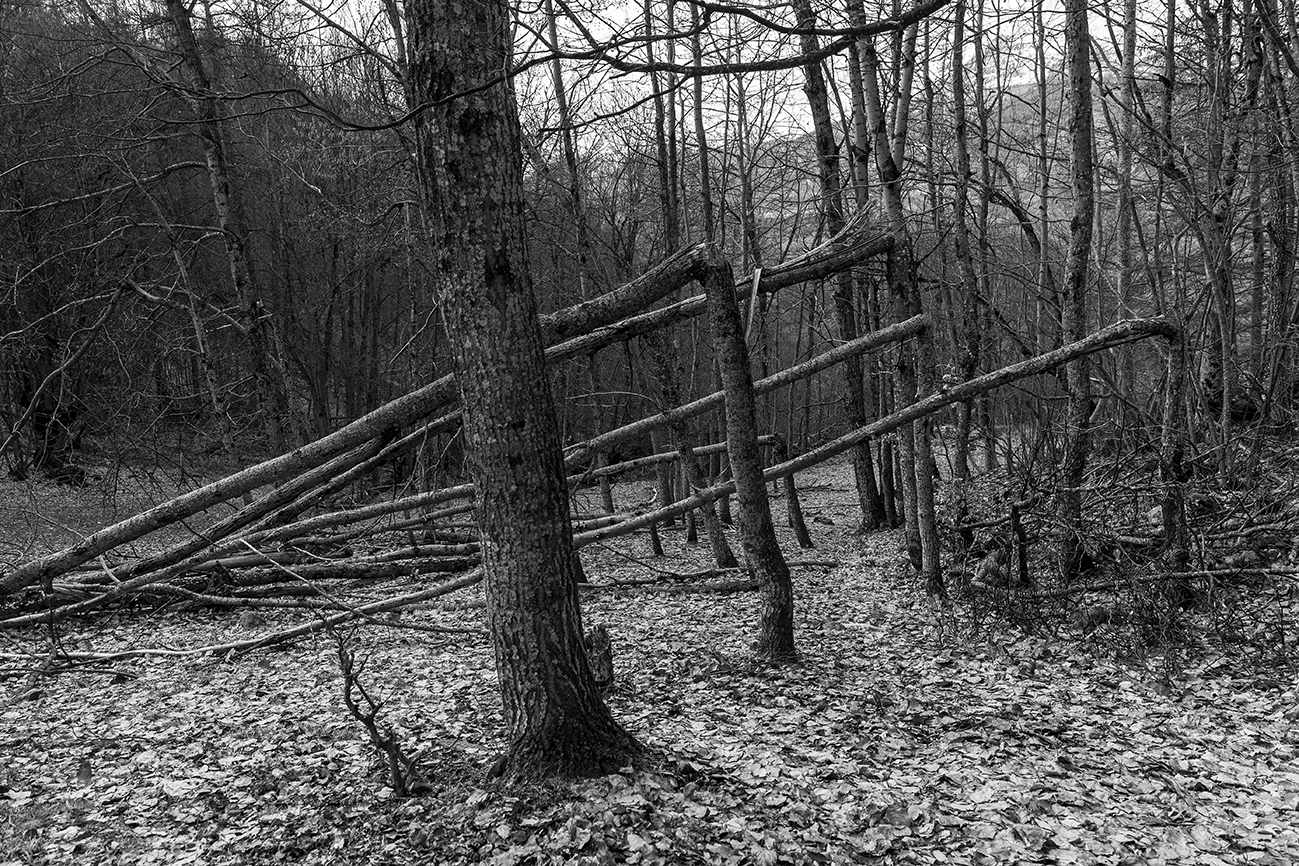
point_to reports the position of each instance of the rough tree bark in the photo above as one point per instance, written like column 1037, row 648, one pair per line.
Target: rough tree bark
column 472, row 178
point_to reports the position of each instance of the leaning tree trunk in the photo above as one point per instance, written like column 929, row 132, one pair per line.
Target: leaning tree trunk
column 1117, row 334
column 757, row 531
column 470, row 152
column 575, row 331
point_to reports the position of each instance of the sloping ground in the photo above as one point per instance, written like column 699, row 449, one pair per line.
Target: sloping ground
column 907, row 734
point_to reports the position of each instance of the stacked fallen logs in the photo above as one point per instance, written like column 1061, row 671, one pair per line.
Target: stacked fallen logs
column 1114, row 335
column 273, row 536
column 598, row 322
column 261, row 577
column 197, row 554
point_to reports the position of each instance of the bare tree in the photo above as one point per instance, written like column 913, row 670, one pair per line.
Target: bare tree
column 1074, row 317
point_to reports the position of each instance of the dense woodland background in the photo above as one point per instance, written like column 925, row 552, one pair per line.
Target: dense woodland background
column 1015, row 280
column 125, row 334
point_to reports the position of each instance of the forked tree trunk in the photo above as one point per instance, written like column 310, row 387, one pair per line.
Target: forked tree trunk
column 845, row 308
column 470, row 152
column 915, row 363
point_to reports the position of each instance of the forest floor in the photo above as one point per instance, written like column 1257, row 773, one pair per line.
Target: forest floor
column 908, row 733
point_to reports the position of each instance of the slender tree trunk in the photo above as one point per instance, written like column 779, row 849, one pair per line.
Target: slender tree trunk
column 914, row 369
column 473, row 187
column 1128, row 96
column 748, row 211
column 672, row 216
column 269, row 373
column 722, row 554
column 577, row 212
column 665, row 144
column 1172, row 471
column 981, row 336
column 861, row 153
column 1046, row 286
column 756, row 327
column 1258, row 270
column 575, row 208
column 1074, row 317
column 967, row 350
column 692, row 475
column 701, row 134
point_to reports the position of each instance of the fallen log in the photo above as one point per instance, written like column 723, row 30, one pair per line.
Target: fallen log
column 651, row 460
column 409, row 523
column 837, row 355
column 373, row 426
column 374, row 568
column 249, row 514
column 583, row 451
column 365, row 611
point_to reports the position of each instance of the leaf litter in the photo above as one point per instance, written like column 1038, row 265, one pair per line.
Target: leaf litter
column 905, row 735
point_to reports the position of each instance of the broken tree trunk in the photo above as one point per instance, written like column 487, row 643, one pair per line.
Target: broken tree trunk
column 875, row 340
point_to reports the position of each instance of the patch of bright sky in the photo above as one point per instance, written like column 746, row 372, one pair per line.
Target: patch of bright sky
column 606, row 100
